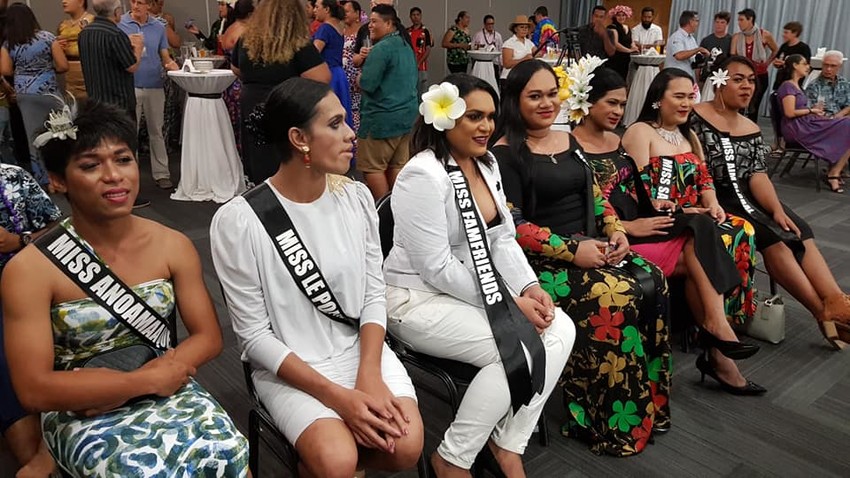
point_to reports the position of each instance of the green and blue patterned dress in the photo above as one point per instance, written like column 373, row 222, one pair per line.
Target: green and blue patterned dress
column 185, row 435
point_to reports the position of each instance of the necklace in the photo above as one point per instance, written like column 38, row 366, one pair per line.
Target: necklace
column 674, row 137
column 551, row 155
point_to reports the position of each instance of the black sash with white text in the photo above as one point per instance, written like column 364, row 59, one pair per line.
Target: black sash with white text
column 665, row 179
column 101, row 285
column 297, row 259
column 510, row 328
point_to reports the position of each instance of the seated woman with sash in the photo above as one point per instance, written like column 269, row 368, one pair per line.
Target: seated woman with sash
column 460, row 288
column 87, row 318
column 735, row 156
column 617, row 381
column 299, row 259
column 680, row 244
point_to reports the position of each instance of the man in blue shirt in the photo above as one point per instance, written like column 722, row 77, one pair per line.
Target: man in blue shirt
column 682, row 47
column 148, row 81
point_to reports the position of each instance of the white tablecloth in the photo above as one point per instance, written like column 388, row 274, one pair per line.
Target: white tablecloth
column 210, row 168
column 637, row 92
column 483, row 67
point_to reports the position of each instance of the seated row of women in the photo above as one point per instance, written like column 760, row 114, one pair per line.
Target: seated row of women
column 541, row 262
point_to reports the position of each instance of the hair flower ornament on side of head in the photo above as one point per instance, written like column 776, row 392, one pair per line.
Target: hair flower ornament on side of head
column 60, row 125
column 719, row 78
column 442, row 106
column 574, row 85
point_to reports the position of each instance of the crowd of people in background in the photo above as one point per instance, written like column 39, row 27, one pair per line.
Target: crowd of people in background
column 538, row 256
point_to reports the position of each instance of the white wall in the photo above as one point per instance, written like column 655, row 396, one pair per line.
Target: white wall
column 437, row 15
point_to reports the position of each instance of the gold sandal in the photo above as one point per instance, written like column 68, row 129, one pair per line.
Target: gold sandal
column 836, row 333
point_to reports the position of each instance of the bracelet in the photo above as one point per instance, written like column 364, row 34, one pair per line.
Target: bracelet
column 810, row 111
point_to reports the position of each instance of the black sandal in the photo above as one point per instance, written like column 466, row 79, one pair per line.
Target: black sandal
column 838, row 189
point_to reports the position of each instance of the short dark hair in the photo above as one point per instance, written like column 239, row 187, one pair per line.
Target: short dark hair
column 723, row 16
column 599, row 7
column 686, row 17
column 354, row 4
column 603, row 81
column 334, row 9
column 460, row 15
column 489, row 17
column 95, row 122
column 291, row 104
column 794, row 27
column 749, row 13
column 243, row 9
column 647, row 9
column 425, row 136
column 541, row 10
column 415, row 10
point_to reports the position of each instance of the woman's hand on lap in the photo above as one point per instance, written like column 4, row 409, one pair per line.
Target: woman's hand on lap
column 786, row 223
column 619, row 249
column 166, row 374
column 650, row 226
column 366, row 418
column 590, row 255
column 535, row 312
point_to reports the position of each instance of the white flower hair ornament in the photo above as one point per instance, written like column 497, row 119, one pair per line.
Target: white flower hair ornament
column 441, row 106
column 575, row 88
column 719, row 78
column 60, row 125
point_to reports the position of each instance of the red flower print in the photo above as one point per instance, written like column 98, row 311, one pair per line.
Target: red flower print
column 742, row 256
column 658, row 399
column 531, row 236
column 642, row 433
column 606, row 324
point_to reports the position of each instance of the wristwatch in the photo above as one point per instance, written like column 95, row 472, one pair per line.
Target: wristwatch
column 26, row 238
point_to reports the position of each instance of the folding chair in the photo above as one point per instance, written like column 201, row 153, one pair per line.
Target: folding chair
column 791, row 150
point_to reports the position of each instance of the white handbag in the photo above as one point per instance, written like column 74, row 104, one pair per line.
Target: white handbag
column 768, row 323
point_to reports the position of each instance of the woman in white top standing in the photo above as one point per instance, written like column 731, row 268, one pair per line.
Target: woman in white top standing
column 518, row 47
column 334, row 388
column 450, row 257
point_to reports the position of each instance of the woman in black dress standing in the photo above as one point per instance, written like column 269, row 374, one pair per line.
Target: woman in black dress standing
column 623, row 43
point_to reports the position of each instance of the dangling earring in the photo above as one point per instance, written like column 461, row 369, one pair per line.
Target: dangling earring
column 306, row 159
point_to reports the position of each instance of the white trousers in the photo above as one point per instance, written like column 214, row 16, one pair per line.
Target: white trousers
column 151, row 102
column 443, row 326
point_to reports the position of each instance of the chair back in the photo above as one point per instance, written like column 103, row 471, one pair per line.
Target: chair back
column 386, row 223
column 776, row 116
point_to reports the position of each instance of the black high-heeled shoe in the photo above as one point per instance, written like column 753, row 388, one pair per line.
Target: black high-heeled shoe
column 705, row 368
column 732, row 350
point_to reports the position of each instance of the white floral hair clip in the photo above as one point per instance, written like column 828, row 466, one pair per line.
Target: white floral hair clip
column 719, row 78
column 442, row 106
column 574, row 85
column 60, row 125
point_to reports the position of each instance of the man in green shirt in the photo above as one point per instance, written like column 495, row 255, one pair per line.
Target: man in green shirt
column 388, row 107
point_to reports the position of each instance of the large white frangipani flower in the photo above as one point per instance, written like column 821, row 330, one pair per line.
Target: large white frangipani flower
column 442, row 106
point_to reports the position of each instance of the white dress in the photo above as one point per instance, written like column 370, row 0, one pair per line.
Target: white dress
column 272, row 318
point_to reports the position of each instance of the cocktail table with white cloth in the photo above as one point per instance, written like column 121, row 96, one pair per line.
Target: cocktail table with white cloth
column 646, row 71
column 210, row 169
column 483, row 67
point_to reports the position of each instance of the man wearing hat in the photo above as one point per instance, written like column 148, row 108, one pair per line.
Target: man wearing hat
column 519, row 46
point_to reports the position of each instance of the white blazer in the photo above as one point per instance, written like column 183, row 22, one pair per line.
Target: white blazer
column 430, row 251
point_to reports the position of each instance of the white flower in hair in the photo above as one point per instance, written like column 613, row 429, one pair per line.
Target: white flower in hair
column 442, row 106
column 578, row 85
column 719, row 78
column 60, row 125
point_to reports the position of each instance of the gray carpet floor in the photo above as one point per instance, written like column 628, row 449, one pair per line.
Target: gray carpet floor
column 799, row 428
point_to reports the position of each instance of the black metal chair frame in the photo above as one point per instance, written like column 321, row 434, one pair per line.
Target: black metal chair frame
column 791, row 150
column 452, row 374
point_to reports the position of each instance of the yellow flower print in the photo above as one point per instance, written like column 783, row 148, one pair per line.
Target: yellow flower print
column 727, row 240
column 738, row 221
column 611, row 292
column 612, row 366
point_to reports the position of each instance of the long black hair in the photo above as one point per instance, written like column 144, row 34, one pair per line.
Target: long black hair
column 425, row 136
column 649, row 114
column 511, row 125
column 291, row 104
column 21, row 25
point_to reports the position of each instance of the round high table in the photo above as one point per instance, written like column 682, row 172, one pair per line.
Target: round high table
column 646, row 71
column 210, row 168
column 483, row 67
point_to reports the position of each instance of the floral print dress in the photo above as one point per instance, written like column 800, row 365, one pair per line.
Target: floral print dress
column 458, row 57
column 690, row 180
column 617, row 381
column 351, row 73
column 186, row 434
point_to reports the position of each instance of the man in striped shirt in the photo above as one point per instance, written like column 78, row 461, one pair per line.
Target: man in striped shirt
column 109, row 58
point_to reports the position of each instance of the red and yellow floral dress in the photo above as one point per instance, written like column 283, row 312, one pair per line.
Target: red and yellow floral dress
column 690, row 180
column 617, row 381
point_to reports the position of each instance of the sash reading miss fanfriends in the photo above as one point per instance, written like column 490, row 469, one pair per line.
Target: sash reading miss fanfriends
column 101, row 285
column 297, row 259
column 510, row 327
